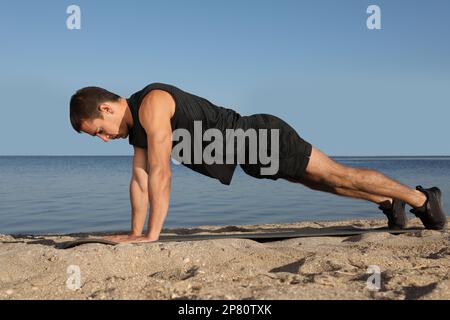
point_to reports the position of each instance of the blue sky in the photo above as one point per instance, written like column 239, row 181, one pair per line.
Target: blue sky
column 346, row 89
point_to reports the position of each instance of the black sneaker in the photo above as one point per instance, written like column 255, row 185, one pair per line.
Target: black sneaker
column 396, row 215
column 431, row 213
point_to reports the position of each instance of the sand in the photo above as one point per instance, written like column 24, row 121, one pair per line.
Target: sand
column 412, row 266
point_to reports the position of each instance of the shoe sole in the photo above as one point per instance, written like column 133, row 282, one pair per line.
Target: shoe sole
column 436, row 194
column 397, row 219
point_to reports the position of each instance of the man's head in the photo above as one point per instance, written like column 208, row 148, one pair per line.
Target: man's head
column 98, row 112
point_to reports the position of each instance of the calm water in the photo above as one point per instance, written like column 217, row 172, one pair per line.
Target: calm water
column 83, row 194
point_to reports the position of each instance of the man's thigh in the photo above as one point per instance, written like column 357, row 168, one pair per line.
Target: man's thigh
column 324, row 170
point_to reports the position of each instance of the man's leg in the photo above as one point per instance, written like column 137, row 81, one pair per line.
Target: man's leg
column 323, row 172
column 385, row 202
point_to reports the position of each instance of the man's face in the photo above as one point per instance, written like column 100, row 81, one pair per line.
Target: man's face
column 112, row 126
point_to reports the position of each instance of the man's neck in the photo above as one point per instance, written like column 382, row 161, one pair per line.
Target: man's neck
column 128, row 116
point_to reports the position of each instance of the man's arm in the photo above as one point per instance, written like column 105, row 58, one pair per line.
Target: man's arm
column 155, row 113
column 139, row 191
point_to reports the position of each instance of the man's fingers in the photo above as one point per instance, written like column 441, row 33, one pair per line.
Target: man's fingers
column 127, row 239
column 136, row 240
column 116, row 238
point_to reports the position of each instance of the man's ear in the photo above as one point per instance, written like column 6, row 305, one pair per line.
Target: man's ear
column 105, row 107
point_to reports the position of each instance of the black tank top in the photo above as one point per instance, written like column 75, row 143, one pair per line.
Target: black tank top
column 188, row 108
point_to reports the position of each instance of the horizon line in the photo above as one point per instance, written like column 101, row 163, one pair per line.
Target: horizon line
column 131, row 155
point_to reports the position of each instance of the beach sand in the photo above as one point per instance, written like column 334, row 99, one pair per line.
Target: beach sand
column 413, row 266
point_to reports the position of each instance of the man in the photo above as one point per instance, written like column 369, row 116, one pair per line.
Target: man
column 151, row 116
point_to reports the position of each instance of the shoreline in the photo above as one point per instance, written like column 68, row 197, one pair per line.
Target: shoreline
column 414, row 265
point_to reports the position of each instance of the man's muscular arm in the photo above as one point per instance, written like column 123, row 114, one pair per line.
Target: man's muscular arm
column 155, row 114
column 139, row 191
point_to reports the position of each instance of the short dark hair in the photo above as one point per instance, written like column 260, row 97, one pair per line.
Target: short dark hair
column 85, row 102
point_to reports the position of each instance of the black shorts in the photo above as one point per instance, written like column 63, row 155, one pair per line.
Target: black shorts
column 294, row 152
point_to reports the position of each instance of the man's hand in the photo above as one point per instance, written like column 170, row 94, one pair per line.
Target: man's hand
column 127, row 238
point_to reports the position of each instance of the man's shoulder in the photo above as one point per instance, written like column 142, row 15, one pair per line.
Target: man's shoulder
column 156, row 95
column 150, row 87
column 159, row 85
column 159, row 102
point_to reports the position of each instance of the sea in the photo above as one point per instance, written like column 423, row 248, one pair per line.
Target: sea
column 76, row 194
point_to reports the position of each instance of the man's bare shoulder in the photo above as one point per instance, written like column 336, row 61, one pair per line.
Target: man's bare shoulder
column 157, row 98
column 155, row 113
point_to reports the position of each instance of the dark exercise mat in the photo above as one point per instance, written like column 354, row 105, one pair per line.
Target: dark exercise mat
column 257, row 236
